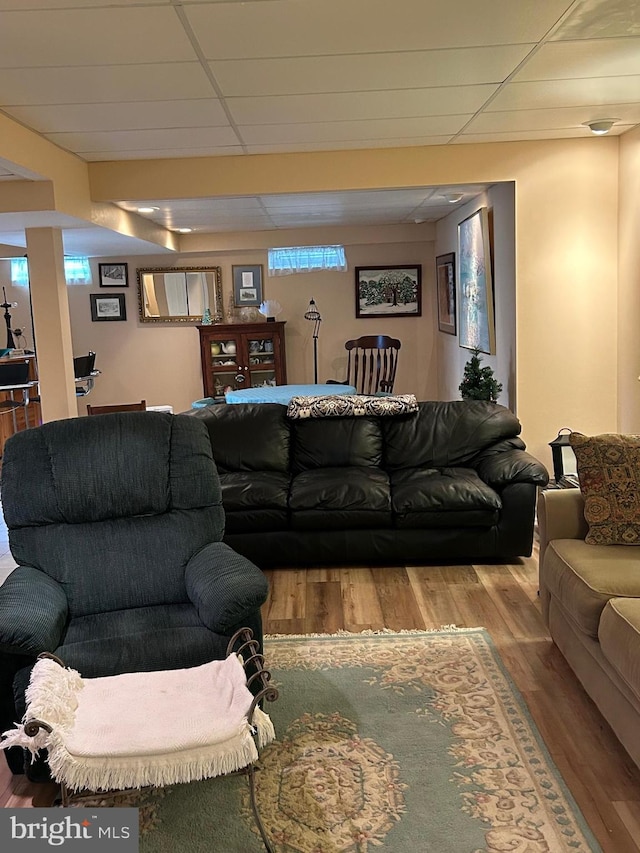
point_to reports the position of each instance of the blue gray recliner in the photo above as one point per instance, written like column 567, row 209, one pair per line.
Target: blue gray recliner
column 116, row 525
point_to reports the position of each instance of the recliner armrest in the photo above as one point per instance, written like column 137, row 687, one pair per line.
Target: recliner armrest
column 33, row 612
column 511, row 466
column 224, row 586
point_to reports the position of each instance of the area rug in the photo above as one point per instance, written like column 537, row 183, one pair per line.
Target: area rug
column 386, row 742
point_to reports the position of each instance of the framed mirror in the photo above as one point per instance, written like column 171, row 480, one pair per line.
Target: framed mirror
column 179, row 294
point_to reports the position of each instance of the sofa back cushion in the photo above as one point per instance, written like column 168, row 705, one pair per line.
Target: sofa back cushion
column 248, row 436
column 337, row 443
column 445, row 434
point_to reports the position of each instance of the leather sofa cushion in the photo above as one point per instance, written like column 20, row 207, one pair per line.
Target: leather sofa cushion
column 619, row 636
column 255, row 520
column 255, row 501
column 337, row 442
column 432, row 497
column 249, row 490
column 446, row 433
column 583, row 578
column 248, row 436
column 340, row 498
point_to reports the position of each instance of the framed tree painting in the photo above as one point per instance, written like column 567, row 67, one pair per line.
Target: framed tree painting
column 476, row 315
column 446, row 290
column 394, row 291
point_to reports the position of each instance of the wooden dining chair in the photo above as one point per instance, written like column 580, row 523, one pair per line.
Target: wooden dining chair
column 372, row 361
column 121, row 407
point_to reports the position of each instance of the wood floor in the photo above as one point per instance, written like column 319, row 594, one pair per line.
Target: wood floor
column 501, row 598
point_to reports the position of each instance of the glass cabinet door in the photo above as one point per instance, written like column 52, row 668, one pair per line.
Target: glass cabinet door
column 262, row 368
column 227, row 373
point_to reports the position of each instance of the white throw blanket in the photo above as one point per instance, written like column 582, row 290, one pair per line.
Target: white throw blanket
column 142, row 728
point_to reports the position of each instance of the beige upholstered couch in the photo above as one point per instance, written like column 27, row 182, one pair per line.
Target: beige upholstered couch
column 591, row 602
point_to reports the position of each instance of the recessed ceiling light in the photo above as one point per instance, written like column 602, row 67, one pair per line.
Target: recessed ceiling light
column 452, row 198
column 184, row 230
column 148, row 209
column 600, row 126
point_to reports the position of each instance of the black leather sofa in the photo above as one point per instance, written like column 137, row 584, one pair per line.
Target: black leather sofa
column 450, row 482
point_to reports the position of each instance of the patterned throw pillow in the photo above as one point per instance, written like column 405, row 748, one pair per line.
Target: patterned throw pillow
column 351, row 405
column 609, row 475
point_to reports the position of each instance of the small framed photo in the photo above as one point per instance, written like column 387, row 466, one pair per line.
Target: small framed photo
column 389, row 291
column 247, row 286
column 446, row 287
column 113, row 275
column 106, row 308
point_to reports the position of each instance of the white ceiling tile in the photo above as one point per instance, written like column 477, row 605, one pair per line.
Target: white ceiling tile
column 600, row 19
column 342, row 131
column 105, row 36
column 440, row 102
column 132, row 140
column 104, row 84
column 566, row 93
column 555, row 119
column 357, row 199
column 163, row 153
column 325, row 27
column 24, row 5
column 367, row 72
column 598, row 58
column 523, row 136
column 128, row 116
column 346, row 144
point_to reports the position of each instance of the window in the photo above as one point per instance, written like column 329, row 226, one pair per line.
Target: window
column 295, row 259
column 76, row 271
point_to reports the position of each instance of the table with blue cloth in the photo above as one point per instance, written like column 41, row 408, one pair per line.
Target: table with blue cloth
column 284, row 393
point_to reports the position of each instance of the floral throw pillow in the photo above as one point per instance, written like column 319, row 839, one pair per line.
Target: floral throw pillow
column 609, row 476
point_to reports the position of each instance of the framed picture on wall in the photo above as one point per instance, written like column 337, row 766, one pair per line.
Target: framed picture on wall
column 107, row 308
column 477, row 324
column 389, row 291
column 446, row 292
column 247, row 286
column 113, row 275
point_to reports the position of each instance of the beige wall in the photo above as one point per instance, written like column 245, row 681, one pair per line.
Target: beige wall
column 161, row 363
column 570, row 359
column 629, row 285
column 499, row 200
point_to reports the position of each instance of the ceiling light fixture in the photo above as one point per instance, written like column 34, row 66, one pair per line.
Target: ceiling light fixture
column 600, row 126
column 184, row 230
column 452, row 198
column 148, row 209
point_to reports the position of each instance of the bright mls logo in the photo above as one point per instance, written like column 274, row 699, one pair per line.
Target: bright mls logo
column 70, row 829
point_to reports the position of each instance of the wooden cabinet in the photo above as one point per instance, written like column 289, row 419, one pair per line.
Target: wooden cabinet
column 242, row 355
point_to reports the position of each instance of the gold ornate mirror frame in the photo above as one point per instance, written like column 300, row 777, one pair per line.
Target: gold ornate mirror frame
column 179, row 294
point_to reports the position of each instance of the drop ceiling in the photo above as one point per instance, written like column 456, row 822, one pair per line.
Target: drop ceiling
column 148, row 79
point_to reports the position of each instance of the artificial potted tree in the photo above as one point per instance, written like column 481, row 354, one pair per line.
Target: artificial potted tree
column 479, row 383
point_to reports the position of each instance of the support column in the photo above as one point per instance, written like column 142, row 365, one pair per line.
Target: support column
column 51, row 323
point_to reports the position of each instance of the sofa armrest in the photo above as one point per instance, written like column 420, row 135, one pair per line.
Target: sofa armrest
column 33, row 612
column 511, row 466
column 224, row 586
column 560, row 516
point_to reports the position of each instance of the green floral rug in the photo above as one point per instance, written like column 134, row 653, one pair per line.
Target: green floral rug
column 386, row 742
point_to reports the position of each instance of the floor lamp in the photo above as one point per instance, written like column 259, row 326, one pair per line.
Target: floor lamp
column 11, row 344
column 313, row 314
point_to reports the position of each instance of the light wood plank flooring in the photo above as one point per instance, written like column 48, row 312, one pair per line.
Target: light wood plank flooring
column 501, row 598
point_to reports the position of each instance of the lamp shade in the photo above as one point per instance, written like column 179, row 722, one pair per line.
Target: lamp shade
column 564, row 459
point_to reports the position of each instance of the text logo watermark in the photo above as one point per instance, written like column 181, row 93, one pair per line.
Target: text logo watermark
column 70, row 829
